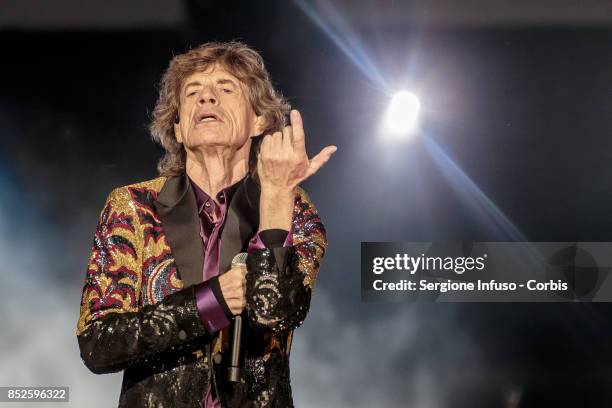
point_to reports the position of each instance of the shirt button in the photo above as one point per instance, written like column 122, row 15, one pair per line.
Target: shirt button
column 217, row 358
column 207, row 204
column 182, row 335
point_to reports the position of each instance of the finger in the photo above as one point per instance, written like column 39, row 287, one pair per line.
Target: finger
column 287, row 138
column 320, row 159
column 260, row 154
column 265, row 145
column 277, row 143
column 299, row 139
column 271, row 146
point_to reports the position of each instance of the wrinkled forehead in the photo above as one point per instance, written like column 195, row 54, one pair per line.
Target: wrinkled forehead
column 214, row 71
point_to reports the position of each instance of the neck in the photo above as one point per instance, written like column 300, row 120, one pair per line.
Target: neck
column 215, row 169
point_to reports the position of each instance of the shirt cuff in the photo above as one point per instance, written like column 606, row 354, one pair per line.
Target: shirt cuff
column 213, row 310
column 271, row 238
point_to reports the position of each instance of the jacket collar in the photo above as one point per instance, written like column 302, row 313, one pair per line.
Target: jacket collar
column 176, row 207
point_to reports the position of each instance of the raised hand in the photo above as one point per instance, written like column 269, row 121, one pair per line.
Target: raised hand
column 283, row 162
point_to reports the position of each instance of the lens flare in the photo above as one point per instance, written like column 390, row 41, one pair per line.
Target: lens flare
column 403, row 113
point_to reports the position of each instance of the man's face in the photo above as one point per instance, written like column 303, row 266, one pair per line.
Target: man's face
column 215, row 111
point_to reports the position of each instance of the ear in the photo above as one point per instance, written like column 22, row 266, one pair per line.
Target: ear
column 259, row 125
column 177, row 133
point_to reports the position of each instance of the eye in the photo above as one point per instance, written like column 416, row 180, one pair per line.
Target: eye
column 227, row 90
column 192, row 93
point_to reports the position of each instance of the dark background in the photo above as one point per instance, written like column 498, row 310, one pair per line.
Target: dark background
column 514, row 144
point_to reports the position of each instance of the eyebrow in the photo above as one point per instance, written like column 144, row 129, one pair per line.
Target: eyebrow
column 221, row 81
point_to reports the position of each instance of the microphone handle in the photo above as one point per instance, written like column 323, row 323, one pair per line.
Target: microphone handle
column 234, row 368
column 234, row 374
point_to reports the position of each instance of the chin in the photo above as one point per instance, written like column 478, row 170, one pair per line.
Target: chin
column 208, row 138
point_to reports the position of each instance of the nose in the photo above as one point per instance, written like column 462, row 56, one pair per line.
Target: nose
column 207, row 95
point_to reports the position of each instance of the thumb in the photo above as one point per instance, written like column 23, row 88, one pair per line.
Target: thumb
column 320, row 159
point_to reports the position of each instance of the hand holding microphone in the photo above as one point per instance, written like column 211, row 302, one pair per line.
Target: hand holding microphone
column 233, row 283
column 233, row 287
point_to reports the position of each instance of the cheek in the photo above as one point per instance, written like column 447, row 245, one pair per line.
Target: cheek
column 185, row 116
column 245, row 114
column 238, row 110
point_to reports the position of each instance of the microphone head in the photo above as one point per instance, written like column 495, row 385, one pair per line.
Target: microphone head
column 239, row 259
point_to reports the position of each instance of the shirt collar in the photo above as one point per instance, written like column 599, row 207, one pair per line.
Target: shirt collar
column 224, row 197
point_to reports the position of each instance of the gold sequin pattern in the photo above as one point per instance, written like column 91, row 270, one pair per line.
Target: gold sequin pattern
column 309, row 237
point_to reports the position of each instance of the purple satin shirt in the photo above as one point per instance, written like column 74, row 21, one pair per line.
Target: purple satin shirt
column 211, row 312
column 214, row 316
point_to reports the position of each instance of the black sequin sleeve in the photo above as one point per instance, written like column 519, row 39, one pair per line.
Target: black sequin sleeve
column 118, row 340
column 280, row 280
column 115, row 329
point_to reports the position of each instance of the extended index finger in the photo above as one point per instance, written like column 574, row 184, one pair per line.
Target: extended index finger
column 299, row 139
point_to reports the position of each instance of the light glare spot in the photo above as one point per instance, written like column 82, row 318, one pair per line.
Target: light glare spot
column 403, row 113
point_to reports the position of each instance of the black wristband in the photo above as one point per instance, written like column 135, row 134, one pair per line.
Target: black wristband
column 273, row 238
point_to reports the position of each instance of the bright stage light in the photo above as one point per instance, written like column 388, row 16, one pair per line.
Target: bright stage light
column 403, row 114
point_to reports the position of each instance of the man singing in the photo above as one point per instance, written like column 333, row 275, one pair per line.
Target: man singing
column 161, row 289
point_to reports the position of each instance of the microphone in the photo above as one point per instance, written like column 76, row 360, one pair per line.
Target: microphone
column 234, row 367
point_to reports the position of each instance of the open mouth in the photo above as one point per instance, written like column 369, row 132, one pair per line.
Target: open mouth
column 206, row 117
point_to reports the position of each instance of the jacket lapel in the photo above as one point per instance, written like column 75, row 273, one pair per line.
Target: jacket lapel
column 241, row 223
column 177, row 209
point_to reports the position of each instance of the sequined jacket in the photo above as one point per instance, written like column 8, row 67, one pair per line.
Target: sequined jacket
column 138, row 308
